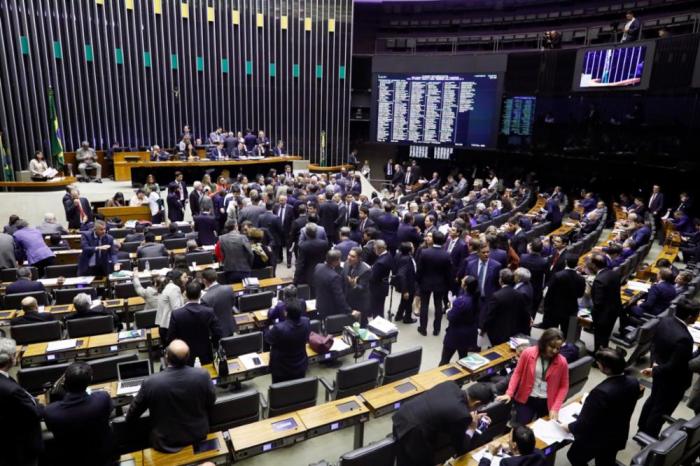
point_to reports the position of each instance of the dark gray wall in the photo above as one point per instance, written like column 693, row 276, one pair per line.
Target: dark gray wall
column 104, row 101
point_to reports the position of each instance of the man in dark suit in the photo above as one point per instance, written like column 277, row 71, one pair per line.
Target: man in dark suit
column 222, row 300
column 84, row 308
column 99, row 251
column 328, row 283
column 205, row 225
column 602, row 426
column 405, row 282
column 196, row 325
column 443, row 411
column 630, row 30
column 379, row 278
column 556, row 260
column 285, row 212
column 659, row 296
column 179, row 400
column 24, row 283
column 523, row 286
column 217, row 152
column 138, row 234
column 388, row 225
column 485, row 270
column 30, row 307
column 180, row 181
column 521, row 446
column 150, row 248
column 327, row 216
column 195, row 197
column 356, row 275
column 455, row 246
column 656, row 201
column 365, row 221
column 398, row 175
column 605, row 294
column 409, row 178
column 407, row 231
column 434, row 276
column 80, row 421
column 311, row 253
column 272, row 226
column 506, row 312
column 561, row 301
column 78, row 210
column 345, row 244
column 389, row 169
column 347, row 210
column 538, row 266
column 672, row 349
column 518, row 240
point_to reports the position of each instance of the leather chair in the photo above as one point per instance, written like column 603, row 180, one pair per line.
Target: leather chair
column 145, row 318
column 105, row 369
column 645, row 337
column 119, row 233
column 578, row 374
column 126, row 290
column 380, row 453
column 38, row 379
column 66, row 295
column 154, row 263
column 124, row 264
column 334, row 324
column 236, row 345
column 175, row 243
column 692, row 429
column 33, row 333
column 14, row 301
column 234, row 409
column 401, row 364
column 10, row 274
column 55, row 271
column 89, row 326
column 315, row 325
column 159, row 230
column 131, row 246
column 285, row 397
column 353, row 379
column 200, row 258
column 255, row 301
column 666, row 452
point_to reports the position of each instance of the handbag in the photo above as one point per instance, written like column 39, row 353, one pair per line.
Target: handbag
column 319, row 343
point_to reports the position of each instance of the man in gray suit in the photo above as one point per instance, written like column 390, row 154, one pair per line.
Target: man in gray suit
column 252, row 211
column 237, row 254
column 179, row 400
column 7, row 252
column 222, row 299
column 150, row 248
column 50, row 226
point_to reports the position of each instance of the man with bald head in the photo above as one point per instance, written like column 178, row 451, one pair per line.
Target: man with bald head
column 178, row 399
column 30, row 307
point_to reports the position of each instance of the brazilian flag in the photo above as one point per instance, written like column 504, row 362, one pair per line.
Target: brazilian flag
column 8, row 172
column 55, row 136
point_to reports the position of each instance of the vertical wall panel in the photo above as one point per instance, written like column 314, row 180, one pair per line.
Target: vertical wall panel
column 106, row 101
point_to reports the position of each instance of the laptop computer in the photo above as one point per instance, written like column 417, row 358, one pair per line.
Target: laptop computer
column 131, row 375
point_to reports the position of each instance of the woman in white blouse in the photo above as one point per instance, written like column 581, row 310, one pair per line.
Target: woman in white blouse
column 170, row 299
column 150, row 293
column 38, row 167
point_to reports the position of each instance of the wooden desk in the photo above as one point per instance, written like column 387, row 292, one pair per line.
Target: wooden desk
column 315, row 168
column 506, row 352
column 433, row 377
column 142, row 212
column 268, row 434
column 68, row 256
column 107, row 344
column 387, row 398
column 328, row 417
column 56, row 184
column 565, row 228
column 468, row 458
column 244, row 322
column 131, row 459
column 35, row 353
column 539, row 205
column 265, row 283
column 187, row 456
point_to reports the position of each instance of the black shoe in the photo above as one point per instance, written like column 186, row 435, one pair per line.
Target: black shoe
column 422, row 331
column 410, row 321
column 436, row 332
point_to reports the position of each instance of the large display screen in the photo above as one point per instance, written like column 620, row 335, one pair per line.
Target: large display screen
column 613, row 67
column 518, row 116
column 449, row 109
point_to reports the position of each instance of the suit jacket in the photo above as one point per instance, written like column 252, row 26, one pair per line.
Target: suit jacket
column 525, row 290
column 407, row 233
column 605, row 294
column 32, row 318
column 176, row 210
column 8, row 259
column 344, row 247
column 604, row 420
column 671, row 350
column 345, row 214
column 21, row 429
column 24, row 285
column 658, row 298
column 357, row 296
column 458, row 253
column 103, row 258
column 222, row 300
column 405, row 274
column 388, row 225
column 311, row 253
column 330, row 291
column 491, row 279
column 536, row 458
column 197, row 325
column 378, row 280
column 434, row 270
column 194, row 202
column 287, row 340
column 272, row 225
column 656, row 203
column 73, row 213
column 641, row 235
column 205, row 225
column 463, row 318
column 565, row 288
column 327, row 216
column 179, row 401
column 519, row 242
column 500, row 256
column 538, row 267
column 288, row 220
column 252, row 213
column 148, row 250
column 506, row 316
column 80, row 426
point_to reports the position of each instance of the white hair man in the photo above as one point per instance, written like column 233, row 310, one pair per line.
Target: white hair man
column 50, row 225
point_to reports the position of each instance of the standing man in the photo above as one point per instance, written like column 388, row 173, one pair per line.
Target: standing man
column 234, row 253
column 561, row 301
column 21, row 430
column 285, row 212
column 538, row 266
column 311, row 252
column 607, row 305
column 78, row 210
column 672, row 349
column 506, row 312
column 405, row 282
column 389, row 170
column 603, row 425
column 98, row 251
column 388, row 225
column 434, row 276
column 485, row 270
column 272, row 226
column 630, row 31
column 222, row 299
column 195, row 197
column 87, row 158
column 356, row 275
column 328, row 283
column 379, row 278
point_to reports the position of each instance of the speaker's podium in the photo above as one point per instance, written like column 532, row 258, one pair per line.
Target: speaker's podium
column 127, row 213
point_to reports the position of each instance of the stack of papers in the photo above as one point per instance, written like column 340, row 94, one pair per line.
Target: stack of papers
column 638, row 286
column 495, row 461
column 515, row 342
column 381, row 326
column 473, row 361
column 550, row 432
column 569, row 413
column 310, row 304
column 339, row 345
column 129, row 334
column 61, row 345
column 251, row 360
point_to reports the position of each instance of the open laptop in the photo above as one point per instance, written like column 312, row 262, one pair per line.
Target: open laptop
column 131, row 375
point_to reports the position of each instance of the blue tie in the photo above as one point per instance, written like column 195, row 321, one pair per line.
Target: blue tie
column 482, row 276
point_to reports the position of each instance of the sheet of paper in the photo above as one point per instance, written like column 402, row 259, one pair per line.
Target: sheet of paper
column 695, row 333
column 61, row 345
column 638, row 286
column 495, row 461
column 567, row 413
column 339, row 345
column 249, row 360
column 550, row 432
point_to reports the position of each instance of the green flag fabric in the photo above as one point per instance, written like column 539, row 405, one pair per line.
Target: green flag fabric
column 8, row 172
column 55, row 135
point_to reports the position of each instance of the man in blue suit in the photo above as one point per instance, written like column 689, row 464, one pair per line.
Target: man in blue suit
column 538, row 267
column 434, row 276
column 485, row 270
column 659, row 296
column 522, row 448
column 345, row 244
column 99, row 251
column 455, row 246
column 379, row 278
column 205, row 224
column 407, row 231
column 642, row 233
column 217, row 153
column 24, row 283
column 388, row 225
column 554, row 215
column 328, row 283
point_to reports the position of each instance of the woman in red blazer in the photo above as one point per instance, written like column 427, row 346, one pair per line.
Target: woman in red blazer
column 541, row 380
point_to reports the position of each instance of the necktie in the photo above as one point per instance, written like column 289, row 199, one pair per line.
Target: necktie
column 482, row 276
column 347, row 213
column 83, row 217
column 451, row 245
column 555, row 258
column 651, row 201
column 407, row 177
column 282, row 214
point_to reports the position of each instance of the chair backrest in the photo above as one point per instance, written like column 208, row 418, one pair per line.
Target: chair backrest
column 402, row 364
column 234, row 409
column 380, row 453
column 124, row 264
column 335, row 323
column 118, row 233
column 55, row 271
column 500, row 415
column 175, row 243
column 293, row 395
column 667, row 452
column 89, row 326
column 33, row 333
column 265, row 272
column 578, row 374
column 13, row 301
column 356, row 378
column 145, row 318
column 105, row 369
column 303, row 292
column 255, row 301
column 36, row 379
column 131, row 436
column 645, row 336
column 153, row 262
column 236, row 345
column 131, row 246
column 315, row 325
column 127, row 290
column 66, row 295
column 199, row 258
column 10, row 274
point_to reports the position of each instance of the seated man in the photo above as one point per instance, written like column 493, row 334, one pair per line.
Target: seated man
column 521, row 450
column 87, row 158
column 50, row 225
column 30, row 307
column 173, row 232
column 137, row 235
column 84, row 308
column 659, row 296
column 24, row 283
column 178, row 399
column 150, row 248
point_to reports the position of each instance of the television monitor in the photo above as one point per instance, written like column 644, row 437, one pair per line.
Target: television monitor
column 614, row 67
column 455, row 109
column 518, row 115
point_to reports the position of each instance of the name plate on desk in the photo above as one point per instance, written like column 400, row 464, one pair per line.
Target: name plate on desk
column 284, row 424
column 405, row 387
